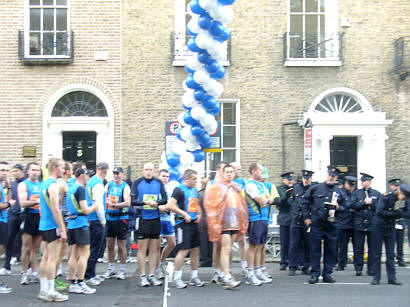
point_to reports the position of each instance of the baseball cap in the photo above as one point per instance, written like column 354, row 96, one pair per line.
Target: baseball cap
column 118, row 169
column 18, row 166
column 79, row 171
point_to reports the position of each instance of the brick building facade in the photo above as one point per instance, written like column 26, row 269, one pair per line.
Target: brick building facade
column 130, row 55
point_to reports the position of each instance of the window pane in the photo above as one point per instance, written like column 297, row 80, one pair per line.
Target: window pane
column 296, row 5
column 213, row 158
column 48, row 2
column 34, row 43
column 35, row 19
column 61, row 44
column 311, row 43
column 229, row 155
column 229, row 137
column 61, row 2
column 229, row 114
column 61, row 19
column 322, row 5
column 34, row 2
column 48, row 43
column 322, row 24
column 311, row 5
column 48, row 19
column 296, row 24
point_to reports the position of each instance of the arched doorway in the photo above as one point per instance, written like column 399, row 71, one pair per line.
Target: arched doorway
column 78, row 125
column 342, row 128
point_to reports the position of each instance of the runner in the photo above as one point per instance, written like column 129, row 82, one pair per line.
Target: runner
column 117, row 203
column 53, row 231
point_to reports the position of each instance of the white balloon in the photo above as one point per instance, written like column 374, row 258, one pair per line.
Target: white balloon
column 181, row 168
column 207, row 120
column 181, row 119
column 214, row 88
column 188, row 9
column 163, row 157
column 198, row 112
column 201, row 76
column 194, row 64
column 203, row 40
column 192, row 146
column 211, row 128
column 163, row 165
column 188, row 99
column 208, row 4
column 222, row 13
column 187, row 158
column 186, row 133
column 193, row 25
column 184, row 86
column 178, row 147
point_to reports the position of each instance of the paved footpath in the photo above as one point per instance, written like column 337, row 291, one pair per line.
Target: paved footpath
column 349, row 290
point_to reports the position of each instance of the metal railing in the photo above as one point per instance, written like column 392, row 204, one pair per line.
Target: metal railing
column 312, row 46
column 402, row 57
column 46, row 48
column 179, row 50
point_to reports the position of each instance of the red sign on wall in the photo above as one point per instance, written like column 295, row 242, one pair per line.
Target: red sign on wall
column 308, row 138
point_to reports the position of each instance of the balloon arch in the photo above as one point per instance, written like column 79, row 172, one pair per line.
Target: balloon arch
column 202, row 89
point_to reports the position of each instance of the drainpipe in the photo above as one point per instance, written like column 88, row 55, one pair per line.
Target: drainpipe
column 284, row 144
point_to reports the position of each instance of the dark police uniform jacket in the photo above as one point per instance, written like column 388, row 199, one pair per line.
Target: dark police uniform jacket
column 296, row 204
column 344, row 218
column 385, row 213
column 313, row 203
column 363, row 214
column 284, row 207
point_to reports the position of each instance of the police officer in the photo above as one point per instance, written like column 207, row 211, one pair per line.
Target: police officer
column 285, row 191
column 391, row 206
column 299, row 238
column 364, row 202
column 320, row 203
column 344, row 222
column 394, row 184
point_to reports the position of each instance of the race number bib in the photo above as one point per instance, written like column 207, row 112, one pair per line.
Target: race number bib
column 35, row 197
column 193, row 205
column 114, row 200
column 147, row 198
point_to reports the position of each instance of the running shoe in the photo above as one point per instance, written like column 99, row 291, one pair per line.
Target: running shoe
column 144, row 281
column 94, row 281
column 216, row 278
column 86, row 289
column 5, row 272
column 34, row 277
column 60, row 270
column 43, row 296
column 154, row 281
column 179, row 284
column 244, row 272
column 159, row 274
column 57, row 296
column 121, row 275
column 196, row 282
column 14, row 261
column 109, row 274
column 231, row 283
column 4, row 288
column 60, row 285
column 264, row 279
column 252, row 280
column 25, row 279
column 74, row 288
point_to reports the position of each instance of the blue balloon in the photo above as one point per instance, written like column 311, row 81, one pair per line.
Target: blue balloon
column 189, row 119
column 191, row 44
column 190, row 82
column 226, row 2
column 220, row 73
column 199, row 155
column 203, row 139
column 173, row 159
column 196, row 8
column 204, row 57
column 226, row 34
column 212, row 67
column 190, row 32
column 204, row 21
column 209, row 102
column 189, row 70
column 199, row 94
column 215, row 110
column 179, row 134
column 173, row 174
column 197, row 130
column 208, row 144
column 216, row 29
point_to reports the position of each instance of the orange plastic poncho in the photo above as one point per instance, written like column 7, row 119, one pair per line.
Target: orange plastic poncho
column 218, row 197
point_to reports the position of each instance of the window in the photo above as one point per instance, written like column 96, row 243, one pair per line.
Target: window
column 229, row 118
column 312, row 31
column 47, row 29
column 79, row 103
column 180, row 52
column 339, row 103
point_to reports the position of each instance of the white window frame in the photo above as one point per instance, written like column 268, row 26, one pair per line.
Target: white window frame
column 237, row 147
column 27, row 54
column 180, row 13
column 332, row 26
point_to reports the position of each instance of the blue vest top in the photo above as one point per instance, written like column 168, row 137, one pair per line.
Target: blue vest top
column 191, row 205
column 3, row 213
column 256, row 213
column 47, row 221
column 33, row 193
column 89, row 195
column 73, row 206
column 115, row 193
column 147, row 191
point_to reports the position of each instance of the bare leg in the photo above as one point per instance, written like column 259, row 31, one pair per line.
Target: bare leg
column 83, row 255
column 169, row 248
column 226, row 249
column 216, row 256
column 122, row 251
column 152, row 255
column 111, row 249
column 27, row 247
column 194, row 258
column 54, row 249
column 72, row 262
column 142, row 252
column 251, row 256
column 242, row 249
column 34, row 253
column 179, row 259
